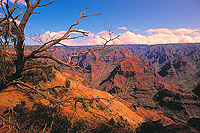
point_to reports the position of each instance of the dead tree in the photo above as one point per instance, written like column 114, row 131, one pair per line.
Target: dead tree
column 14, row 29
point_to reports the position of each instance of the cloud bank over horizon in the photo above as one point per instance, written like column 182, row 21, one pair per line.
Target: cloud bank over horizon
column 155, row 36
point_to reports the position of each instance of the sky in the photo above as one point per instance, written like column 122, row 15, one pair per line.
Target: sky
column 137, row 21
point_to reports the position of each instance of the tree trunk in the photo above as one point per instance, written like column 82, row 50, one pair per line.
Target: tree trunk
column 19, row 64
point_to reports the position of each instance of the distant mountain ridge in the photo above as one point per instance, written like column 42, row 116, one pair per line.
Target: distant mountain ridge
column 177, row 63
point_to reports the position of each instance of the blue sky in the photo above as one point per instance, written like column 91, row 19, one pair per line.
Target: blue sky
column 133, row 14
column 137, row 16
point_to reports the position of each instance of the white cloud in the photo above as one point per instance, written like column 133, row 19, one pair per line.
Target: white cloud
column 123, row 28
column 156, row 36
column 162, row 30
column 174, row 31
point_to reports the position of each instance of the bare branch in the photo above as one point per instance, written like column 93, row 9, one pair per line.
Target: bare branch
column 69, row 63
column 72, row 38
column 20, row 6
column 49, row 44
column 20, row 83
column 36, row 3
column 68, row 46
column 56, row 60
column 3, row 9
column 28, row 3
column 89, row 15
column 45, row 4
column 13, row 7
column 15, row 18
column 79, row 31
column 66, row 34
column 9, row 31
column 3, row 31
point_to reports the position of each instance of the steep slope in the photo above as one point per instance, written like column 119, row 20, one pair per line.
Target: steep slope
column 161, row 55
column 79, row 104
column 180, row 71
column 136, row 82
column 177, row 63
column 133, row 76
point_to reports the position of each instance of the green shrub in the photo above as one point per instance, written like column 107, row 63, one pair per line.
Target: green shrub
column 120, row 126
column 67, row 83
column 85, row 105
column 6, row 65
column 112, row 122
column 40, row 116
column 150, row 127
column 53, row 92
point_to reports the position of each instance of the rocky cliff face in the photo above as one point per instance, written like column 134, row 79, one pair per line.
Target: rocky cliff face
column 177, row 63
column 180, row 71
column 139, row 84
